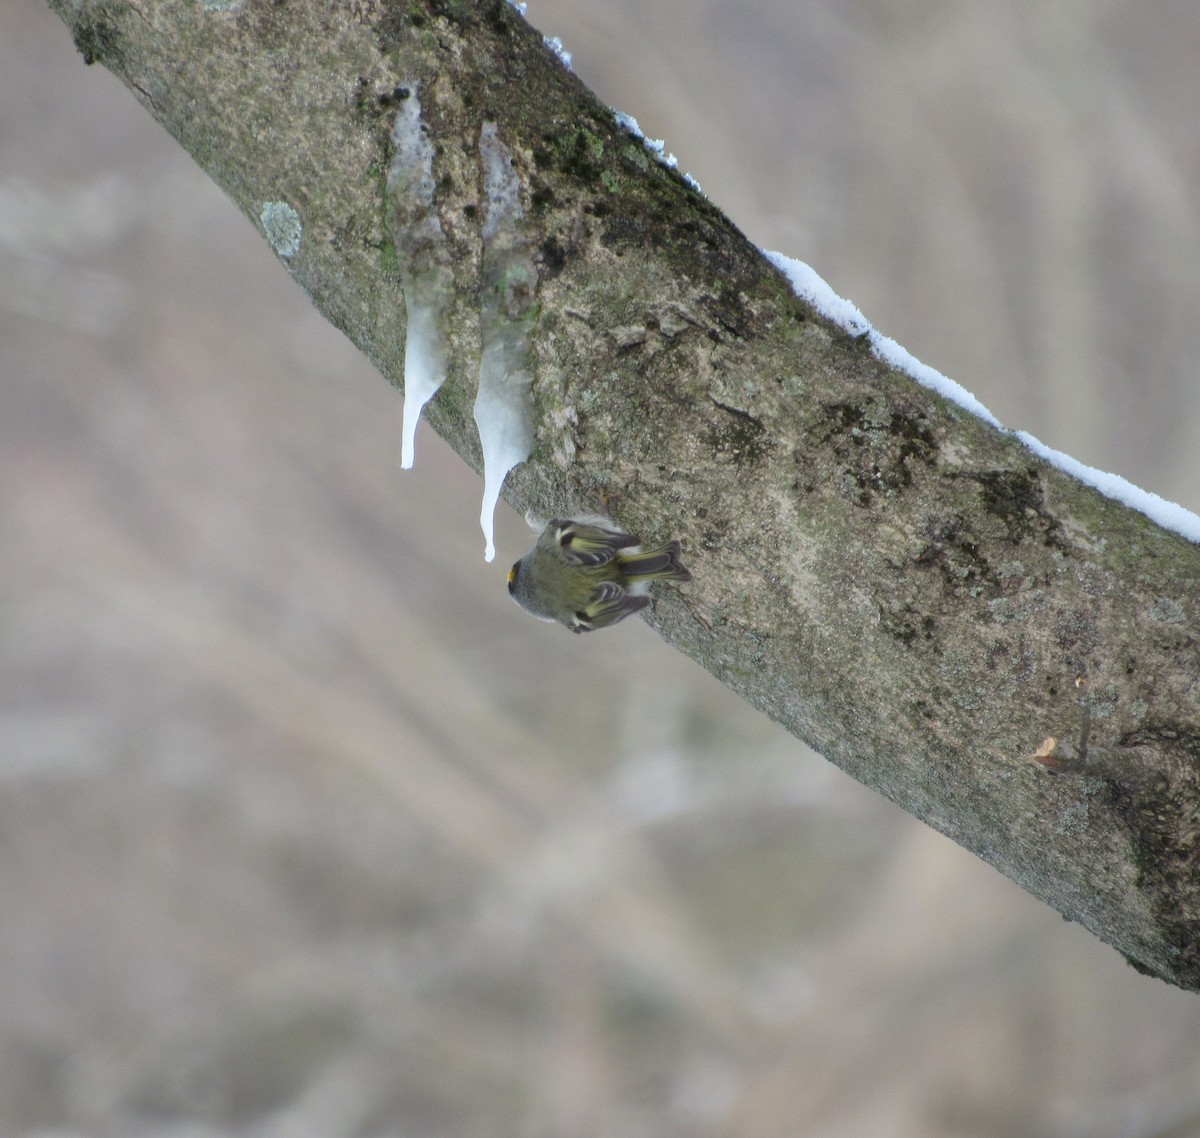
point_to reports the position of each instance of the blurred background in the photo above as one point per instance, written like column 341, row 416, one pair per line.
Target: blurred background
column 305, row 829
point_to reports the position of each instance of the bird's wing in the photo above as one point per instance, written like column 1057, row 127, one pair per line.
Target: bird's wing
column 584, row 543
column 609, row 603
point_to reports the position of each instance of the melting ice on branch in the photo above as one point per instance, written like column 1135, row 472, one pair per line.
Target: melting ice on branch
column 503, row 406
column 425, row 264
column 503, row 411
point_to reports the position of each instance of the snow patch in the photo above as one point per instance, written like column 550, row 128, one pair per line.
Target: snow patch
column 656, row 146
column 810, row 287
column 1169, row 515
column 627, row 123
column 556, row 45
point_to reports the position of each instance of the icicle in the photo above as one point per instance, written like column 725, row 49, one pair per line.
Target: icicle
column 503, row 406
column 425, row 264
column 424, row 355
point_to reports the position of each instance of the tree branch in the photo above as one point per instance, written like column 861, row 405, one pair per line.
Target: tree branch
column 903, row 587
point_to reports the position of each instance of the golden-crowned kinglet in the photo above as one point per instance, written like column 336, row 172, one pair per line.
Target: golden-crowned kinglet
column 585, row 573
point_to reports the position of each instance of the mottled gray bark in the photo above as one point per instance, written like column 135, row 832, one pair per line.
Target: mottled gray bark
column 903, row 587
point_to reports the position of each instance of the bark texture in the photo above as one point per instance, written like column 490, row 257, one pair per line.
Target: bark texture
column 908, row 590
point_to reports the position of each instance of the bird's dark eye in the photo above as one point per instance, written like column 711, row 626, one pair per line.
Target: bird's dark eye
column 512, row 578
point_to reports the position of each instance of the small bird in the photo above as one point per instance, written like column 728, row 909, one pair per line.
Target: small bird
column 586, row 573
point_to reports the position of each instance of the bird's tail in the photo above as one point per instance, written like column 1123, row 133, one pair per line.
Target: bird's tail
column 661, row 564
